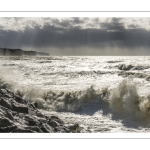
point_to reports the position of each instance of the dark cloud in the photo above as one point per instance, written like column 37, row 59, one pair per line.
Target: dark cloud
column 113, row 25
column 63, row 23
column 78, row 20
column 63, row 35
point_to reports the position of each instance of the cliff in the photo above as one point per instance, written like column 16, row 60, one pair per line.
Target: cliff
column 10, row 52
column 19, row 52
column 31, row 53
column 42, row 53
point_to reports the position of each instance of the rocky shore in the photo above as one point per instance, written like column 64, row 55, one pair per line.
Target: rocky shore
column 20, row 116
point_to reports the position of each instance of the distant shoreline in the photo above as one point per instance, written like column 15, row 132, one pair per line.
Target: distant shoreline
column 20, row 52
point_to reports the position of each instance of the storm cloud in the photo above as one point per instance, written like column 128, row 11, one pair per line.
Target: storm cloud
column 77, row 36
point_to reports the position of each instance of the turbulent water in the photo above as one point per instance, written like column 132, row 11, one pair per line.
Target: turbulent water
column 102, row 94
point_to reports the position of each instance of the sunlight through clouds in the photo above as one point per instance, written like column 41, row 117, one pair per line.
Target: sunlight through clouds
column 77, row 36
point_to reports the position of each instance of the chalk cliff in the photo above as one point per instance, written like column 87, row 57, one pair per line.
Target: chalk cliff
column 42, row 53
column 19, row 52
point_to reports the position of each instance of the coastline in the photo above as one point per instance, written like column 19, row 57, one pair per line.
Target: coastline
column 21, row 116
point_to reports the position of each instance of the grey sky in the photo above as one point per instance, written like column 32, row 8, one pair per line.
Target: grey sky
column 77, row 36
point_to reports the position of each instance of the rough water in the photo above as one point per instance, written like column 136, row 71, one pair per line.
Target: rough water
column 101, row 93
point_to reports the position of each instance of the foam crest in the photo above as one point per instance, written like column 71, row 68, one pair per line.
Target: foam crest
column 125, row 99
column 55, row 100
column 122, row 99
column 70, row 101
column 62, row 100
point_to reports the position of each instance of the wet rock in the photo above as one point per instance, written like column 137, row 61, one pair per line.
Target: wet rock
column 5, row 103
column 19, row 116
column 39, row 114
column 6, row 112
column 19, row 108
column 61, row 129
column 14, row 113
column 33, row 105
column 74, row 128
column 6, row 93
column 34, row 128
column 7, row 96
column 4, row 122
column 7, row 129
column 46, row 128
column 31, row 121
column 22, row 130
column 53, row 123
column 20, row 100
column 3, row 91
column 55, row 118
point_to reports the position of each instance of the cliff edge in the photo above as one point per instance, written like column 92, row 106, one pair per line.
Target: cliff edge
column 19, row 52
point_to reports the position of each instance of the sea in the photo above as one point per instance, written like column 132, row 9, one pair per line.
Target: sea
column 103, row 94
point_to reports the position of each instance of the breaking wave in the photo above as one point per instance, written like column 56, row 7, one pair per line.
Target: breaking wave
column 135, row 75
column 62, row 100
column 124, row 98
column 70, row 101
column 126, row 67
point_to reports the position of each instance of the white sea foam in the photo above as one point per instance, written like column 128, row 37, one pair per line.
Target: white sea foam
column 73, row 84
column 125, row 99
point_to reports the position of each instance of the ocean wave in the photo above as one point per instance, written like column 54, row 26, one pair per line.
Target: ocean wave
column 63, row 100
column 114, row 61
column 70, row 101
column 77, row 73
column 124, row 98
column 135, row 75
column 126, row 67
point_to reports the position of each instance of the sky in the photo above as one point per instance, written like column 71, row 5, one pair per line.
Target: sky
column 77, row 36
